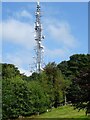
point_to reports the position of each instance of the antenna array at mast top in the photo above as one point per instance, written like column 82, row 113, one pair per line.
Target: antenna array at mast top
column 38, row 3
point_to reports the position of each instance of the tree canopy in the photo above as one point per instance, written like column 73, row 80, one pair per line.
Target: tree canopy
column 79, row 91
column 67, row 81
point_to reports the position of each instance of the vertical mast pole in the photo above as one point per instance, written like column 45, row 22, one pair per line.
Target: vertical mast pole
column 38, row 38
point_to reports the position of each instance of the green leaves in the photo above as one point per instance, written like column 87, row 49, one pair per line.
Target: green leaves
column 79, row 91
column 38, row 96
column 56, row 83
column 21, row 97
column 24, row 96
column 15, row 96
column 9, row 71
column 72, row 67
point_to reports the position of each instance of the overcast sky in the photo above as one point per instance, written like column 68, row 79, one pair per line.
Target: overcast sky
column 65, row 26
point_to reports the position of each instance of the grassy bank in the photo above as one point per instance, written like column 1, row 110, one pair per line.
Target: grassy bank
column 63, row 113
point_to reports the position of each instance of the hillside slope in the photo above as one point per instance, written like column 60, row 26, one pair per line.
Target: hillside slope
column 64, row 112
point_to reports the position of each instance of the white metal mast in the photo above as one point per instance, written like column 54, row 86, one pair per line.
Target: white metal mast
column 39, row 49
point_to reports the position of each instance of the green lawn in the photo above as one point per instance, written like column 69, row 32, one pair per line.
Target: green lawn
column 64, row 112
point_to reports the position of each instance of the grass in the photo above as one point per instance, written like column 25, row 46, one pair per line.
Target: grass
column 63, row 112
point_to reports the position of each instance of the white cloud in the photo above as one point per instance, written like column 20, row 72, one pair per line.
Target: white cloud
column 22, row 33
column 57, row 55
column 61, row 32
column 18, row 32
column 19, row 58
column 23, row 13
column 54, row 53
column 22, row 59
column 15, row 59
column 25, row 72
column 63, row 42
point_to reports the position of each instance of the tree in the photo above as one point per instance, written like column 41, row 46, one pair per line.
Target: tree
column 72, row 67
column 55, row 82
column 15, row 93
column 15, row 98
column 79, row 91
column 9, row 71
column 38, row 98
column 21, row 97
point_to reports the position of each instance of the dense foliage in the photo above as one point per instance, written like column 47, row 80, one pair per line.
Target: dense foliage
column 25, row 96
column 79, row 91
column 77, row 69
column 72, row 67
